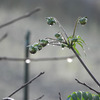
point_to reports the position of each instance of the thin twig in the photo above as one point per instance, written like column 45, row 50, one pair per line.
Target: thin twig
column 29, row 82
column 3, row 37
column 60, row 98
column 38, row 59
column 65, row 33
column 20, row 18
column 50, row 38
column 75, row 26
column 87, row 86
column 39, row 97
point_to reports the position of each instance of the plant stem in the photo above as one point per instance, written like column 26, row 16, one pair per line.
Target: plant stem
column 75, row 26
column 86, row 68
column 61, row 27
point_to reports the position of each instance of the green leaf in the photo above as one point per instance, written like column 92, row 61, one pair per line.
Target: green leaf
column 74, row 96
column 79, row 95
column 79, row 38
column 85, row 96
column 80, row 44
column 89, row 96
column 76, row 51
column 69, row 97
column 74, row 40
column 96, row 97
column 70, row 37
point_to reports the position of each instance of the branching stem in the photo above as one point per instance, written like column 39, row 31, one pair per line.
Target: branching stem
column 61, row 27
column 87, row 86
column 81, row 61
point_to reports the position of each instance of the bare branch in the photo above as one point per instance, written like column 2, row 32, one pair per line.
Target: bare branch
column 29, row 82
column 39, row 97
column 87, row 86
column 60, row 98
column 38, row 59
column 3, row 37
column 20, row 18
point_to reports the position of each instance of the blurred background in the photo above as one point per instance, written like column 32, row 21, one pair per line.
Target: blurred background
column 59, row 75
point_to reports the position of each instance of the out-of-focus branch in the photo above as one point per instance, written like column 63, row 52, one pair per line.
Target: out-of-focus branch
column 3, row 37
column 60, row 98
column 38, row 59
column 87, row 86
column 39, row 97
column 20, row 18
column 29, row 82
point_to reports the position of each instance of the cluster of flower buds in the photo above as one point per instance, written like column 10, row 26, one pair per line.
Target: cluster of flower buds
column 51, row 21
column 59, row 37
column 37, row 46
column 83, row 20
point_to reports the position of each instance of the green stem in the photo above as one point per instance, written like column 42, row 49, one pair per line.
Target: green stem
column 75, row 26
column 61, row 27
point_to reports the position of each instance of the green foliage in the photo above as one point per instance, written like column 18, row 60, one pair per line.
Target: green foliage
column 71, row 41
column 83, row 96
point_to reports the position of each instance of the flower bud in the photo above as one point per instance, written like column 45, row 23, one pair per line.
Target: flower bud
column 38, row 46
column 43, row 42
column 83, row 20
column 32, row 49
column 51, row 21
column 63, row 45
column 57, row 35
